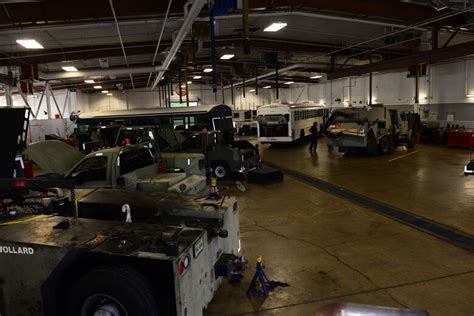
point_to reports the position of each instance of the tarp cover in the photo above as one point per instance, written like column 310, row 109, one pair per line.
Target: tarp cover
column 53, row 156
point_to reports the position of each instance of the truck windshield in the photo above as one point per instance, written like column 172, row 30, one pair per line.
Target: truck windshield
column 93, row 168
column 273, row 125
column 135, row 159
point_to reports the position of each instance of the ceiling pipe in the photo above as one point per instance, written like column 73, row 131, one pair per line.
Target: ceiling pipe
column 280, row 71
column 413, row 27
column 190, row 16
column 98, row 72
column 121, row 40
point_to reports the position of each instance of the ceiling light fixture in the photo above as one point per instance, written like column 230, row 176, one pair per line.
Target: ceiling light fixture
column 183, row 86
column 267, row 87
column 105, row 91
column 316, row 77
column 207, row 70
column 289, row 82
column 227, row 56
column 29, row 43
column 97, row 87
column 275, row 27
column 69, row 68
column 189, row 82
column 89, row 81
column 252, row 90
column 197, row 77
column 109, row 94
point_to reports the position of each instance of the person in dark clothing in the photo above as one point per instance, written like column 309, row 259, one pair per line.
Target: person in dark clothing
column 314, row 137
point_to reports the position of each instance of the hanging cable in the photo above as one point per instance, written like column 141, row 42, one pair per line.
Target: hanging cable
column 121, row 40
column 159, row 40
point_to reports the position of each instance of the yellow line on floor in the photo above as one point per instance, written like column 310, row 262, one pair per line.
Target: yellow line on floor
column 414, row 152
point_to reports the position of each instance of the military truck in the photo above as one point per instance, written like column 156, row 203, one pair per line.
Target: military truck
column 132, row 167
column 108, row 251
column 223, row 157
column 372, row 129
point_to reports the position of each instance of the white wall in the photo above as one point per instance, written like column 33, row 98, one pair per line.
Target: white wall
column 149, row 99
column 444, row 90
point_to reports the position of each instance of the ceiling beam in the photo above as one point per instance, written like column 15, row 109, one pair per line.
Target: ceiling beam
column 92, row 10
column 427, row 57
column 393, row 10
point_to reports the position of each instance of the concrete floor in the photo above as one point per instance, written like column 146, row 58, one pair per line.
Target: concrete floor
column 329, row 249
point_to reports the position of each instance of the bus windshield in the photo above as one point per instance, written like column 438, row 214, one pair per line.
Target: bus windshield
column 273, row 125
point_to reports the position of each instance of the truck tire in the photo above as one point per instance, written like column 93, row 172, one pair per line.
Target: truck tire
column 220, row 170
column 385, row 145
column 372, row 147
column 114, row 290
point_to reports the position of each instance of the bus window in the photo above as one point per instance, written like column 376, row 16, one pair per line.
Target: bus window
column 178, row 123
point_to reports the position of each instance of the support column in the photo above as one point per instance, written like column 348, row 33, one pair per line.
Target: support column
column 434, row 36
column 48, row 100
column 8, row 95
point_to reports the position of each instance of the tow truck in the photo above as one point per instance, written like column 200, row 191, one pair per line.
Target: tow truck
column 110, row 251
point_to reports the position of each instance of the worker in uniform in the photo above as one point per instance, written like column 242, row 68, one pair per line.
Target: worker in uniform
column 314, row 137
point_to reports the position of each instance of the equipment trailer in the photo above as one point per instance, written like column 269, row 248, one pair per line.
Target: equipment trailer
column 108, row 251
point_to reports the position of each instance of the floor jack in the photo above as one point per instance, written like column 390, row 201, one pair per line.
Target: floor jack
column 260, row 285
column 214, row 194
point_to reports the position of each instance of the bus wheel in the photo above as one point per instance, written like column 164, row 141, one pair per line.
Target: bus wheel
column 302, row 134
column 220, row 170
column 112, row 290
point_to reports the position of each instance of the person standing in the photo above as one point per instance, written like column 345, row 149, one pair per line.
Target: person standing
column 314, row 137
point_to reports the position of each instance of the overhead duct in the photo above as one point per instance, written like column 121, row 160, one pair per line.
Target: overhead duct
column 190, row 16
column 97, row 72
column 280, row 71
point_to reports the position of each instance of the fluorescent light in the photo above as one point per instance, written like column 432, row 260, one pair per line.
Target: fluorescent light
column 29, row 43
column 97, row 87
column 109, row 94
column 197, row 77
column 89, row 81
column 183, row 86
column 267, row 87
column 275, row 27
column 289, row 82
column 207, row 70
column 252, row 90
column 227, row 56
column 189, row 82
column 470, row 95
column 69, row 68
column 316, row 77
column 105, row 91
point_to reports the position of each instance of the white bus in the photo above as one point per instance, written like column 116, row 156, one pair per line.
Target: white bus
column 283, row 123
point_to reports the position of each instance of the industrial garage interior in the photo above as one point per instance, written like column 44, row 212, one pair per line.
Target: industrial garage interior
column 237, row 157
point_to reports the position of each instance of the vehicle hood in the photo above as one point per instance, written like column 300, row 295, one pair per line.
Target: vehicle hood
column 53, row 156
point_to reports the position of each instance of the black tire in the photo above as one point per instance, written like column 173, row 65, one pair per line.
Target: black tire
column 384, row 145
column 372, row 147
column 119, row 287
column 220, row 170
column 302, row 135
